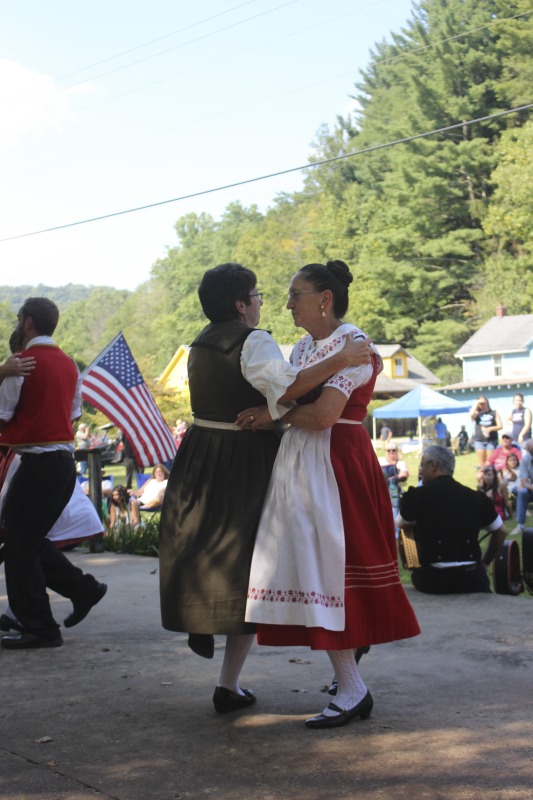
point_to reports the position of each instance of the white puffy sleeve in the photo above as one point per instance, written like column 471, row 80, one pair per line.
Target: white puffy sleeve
column 263, row 366
column 352, row 377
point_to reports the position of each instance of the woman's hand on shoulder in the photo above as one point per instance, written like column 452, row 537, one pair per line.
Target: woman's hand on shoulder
column 15, row 366
column 253, row 418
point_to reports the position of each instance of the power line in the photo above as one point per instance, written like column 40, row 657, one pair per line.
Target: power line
column 417, row 50
column 163, row 52
column 144, row 44
column 407, row 54
column 274, row 174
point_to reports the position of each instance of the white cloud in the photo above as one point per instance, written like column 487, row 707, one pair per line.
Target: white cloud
column 31, row 103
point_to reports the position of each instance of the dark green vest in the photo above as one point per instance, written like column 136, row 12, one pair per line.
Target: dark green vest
column 217, row 387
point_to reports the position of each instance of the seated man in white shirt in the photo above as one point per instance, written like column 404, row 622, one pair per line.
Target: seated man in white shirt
column 445, row 518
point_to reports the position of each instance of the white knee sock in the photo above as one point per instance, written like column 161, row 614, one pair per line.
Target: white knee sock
column 237, row 647
column 351, row 686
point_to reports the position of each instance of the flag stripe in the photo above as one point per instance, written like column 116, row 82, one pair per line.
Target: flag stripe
column 114, row 385
column 113, row 401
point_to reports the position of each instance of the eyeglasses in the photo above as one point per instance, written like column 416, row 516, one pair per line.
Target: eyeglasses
column 295, row 295
column 259, row 295
column 391, row 450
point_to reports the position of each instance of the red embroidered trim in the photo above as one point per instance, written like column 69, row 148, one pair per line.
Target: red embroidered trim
column 341, row 382
column 295, row 596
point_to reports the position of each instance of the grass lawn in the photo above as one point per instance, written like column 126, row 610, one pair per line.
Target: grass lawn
column 145, row 541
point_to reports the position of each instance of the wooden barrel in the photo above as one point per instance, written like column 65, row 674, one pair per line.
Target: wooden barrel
column 506, row 573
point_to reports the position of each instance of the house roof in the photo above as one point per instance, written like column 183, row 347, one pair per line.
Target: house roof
column 181, row 352
column 500, row 335
column 491, row 383
column 416, row 373
column 389, row 350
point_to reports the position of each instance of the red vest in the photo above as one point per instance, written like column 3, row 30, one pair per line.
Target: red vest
column 42, row 415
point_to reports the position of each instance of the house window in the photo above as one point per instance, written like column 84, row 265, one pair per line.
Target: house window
column 497, row 362
column 398, row 367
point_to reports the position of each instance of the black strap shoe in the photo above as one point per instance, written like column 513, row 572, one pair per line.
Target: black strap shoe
column 225, row 700
column 25, row 641
column 363, row 709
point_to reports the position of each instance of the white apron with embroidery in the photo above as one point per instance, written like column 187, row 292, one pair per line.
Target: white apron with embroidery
column 298, row 566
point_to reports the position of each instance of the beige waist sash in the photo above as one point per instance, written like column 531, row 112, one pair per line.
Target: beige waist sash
column 230, row 426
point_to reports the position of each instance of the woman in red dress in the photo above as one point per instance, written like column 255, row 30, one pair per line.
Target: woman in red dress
column 324, row 571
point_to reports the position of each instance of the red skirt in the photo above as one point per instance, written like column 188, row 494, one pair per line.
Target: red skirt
column 377, row 611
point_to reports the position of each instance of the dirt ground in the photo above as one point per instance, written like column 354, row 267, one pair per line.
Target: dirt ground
column 124, row 710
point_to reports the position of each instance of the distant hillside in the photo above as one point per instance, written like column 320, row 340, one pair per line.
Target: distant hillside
column 63, row 296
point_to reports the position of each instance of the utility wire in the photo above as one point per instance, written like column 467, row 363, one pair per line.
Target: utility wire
column 163, row 52
column 140, row 46
column 407, row 54
column 371, row 149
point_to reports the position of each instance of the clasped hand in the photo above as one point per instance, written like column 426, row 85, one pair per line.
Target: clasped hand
column 253, row 418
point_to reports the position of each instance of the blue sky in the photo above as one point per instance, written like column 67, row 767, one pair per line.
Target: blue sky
column 113, row 105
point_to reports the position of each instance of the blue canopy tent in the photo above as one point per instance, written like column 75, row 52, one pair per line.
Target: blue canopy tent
column 419, row 402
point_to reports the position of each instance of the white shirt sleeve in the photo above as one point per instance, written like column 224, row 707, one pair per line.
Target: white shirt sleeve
column 352, row 377
column 497, row 523
column 263, row 366
column 76, row 400
column 9, row 396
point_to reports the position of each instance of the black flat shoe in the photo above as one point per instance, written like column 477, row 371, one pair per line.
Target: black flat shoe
column 84, row 605
column 225, row 700
column 363, row 709
column 24, row 641
column 203, row 644
column 10, row 624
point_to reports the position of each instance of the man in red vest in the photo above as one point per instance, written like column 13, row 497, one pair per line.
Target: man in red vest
column 36, row 415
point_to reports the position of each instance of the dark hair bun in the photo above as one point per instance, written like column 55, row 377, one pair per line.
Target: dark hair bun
column 341, row 271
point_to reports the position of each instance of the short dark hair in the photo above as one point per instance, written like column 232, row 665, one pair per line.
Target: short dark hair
column 335, row 276
column 43, row 312
column 221, row 286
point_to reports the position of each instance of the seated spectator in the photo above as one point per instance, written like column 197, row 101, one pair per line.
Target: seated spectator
column 178, row 431
column 509, row 475
column 396, row 473
column 462, row 440
column 498, row 457
column 152, row 492
column 487, row 482
column 525, row 488
column 123, row 510
column 445, row 518
column 83, row 439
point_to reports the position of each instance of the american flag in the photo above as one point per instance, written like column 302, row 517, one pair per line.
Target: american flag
column 114, row 385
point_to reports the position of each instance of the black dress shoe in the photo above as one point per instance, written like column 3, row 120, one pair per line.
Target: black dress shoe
column 25, row 641
column 84, row 605
column 363, row 709
column 225, row 700
column 10, row 624
column 203, row 644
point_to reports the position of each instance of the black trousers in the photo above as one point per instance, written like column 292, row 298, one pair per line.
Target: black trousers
column 38, row 493
column 451, row 580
